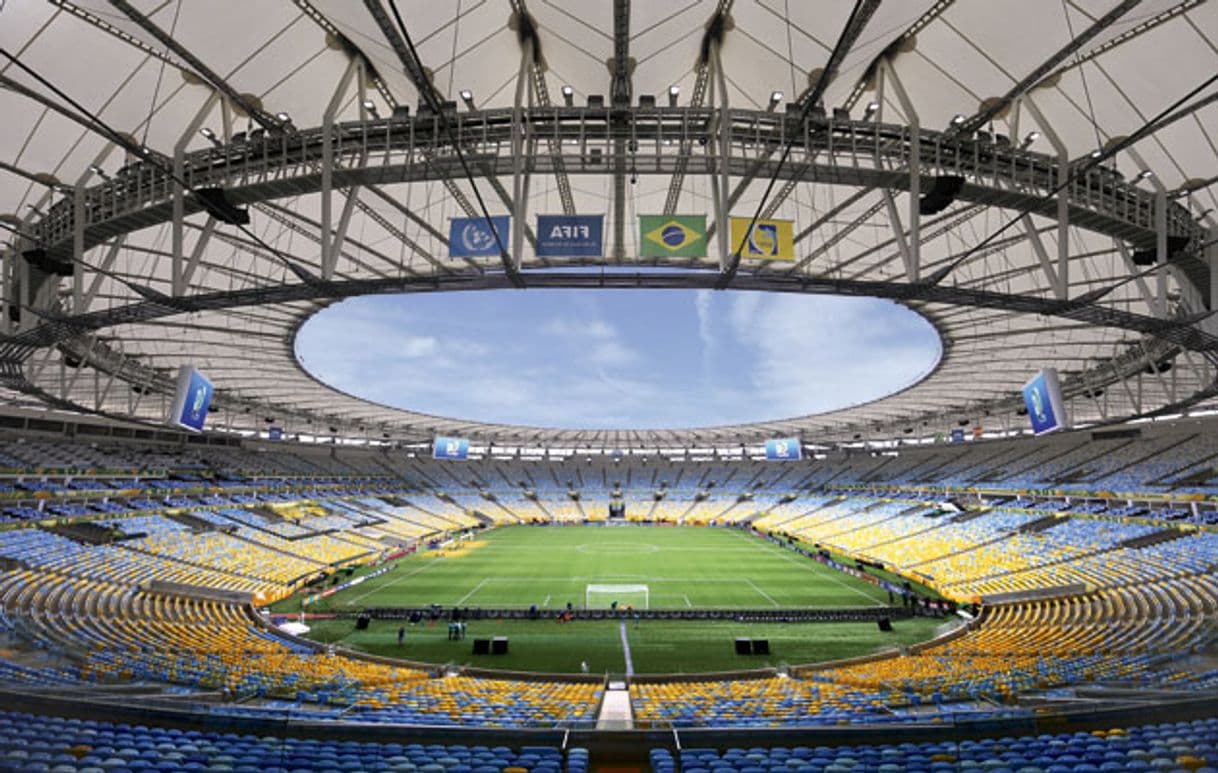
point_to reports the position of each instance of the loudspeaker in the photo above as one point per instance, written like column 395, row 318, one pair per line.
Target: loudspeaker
column 216, row 202
column 361, row 622
column 499, row 645
column 39, row 259
column 761, row 646
column 942, row 192
column 1149, row 256
column 482, row 646
column 744, row 646
column 885, row 624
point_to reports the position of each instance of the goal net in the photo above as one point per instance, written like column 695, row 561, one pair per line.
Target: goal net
column 600, row 596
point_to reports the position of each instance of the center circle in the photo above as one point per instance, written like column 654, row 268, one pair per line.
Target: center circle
column 642, row 359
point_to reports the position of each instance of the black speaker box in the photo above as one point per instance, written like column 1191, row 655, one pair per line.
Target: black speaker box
column 761, row 646
column 885, row 624
column 942, row 192
column 361, row 622
column 499, row 645
column 482, row 646
column 744, row 646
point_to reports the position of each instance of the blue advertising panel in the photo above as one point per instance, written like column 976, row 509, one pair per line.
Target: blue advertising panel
column 471, row 237
column 1043, row 397
column 275, row 433
column 570, row 236
column 785, row 449
column 450, row 448
column 957, row 435
column 191, row 399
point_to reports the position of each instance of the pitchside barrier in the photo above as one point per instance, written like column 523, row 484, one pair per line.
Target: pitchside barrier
column 860, row 614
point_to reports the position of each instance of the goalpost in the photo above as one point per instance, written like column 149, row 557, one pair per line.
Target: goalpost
column 602, row 596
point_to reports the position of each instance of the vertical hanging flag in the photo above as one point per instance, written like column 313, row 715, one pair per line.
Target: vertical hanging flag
column 570, row 236
column 672, row 236
column 766, row 240
column 471, row 237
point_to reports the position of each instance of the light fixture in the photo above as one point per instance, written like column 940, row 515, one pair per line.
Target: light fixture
column 283, row 117
column 568, row 95
column 957, row 119
column 369, row 106
column 674, row 91
column 467, row 97
column 208, row 133
column 97, row 170
column 1145, row 174
column 1032, row 136
column 872, row 107
column 1096, row 153
column 775, row 98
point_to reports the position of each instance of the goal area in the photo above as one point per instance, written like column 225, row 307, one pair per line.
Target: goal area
column 602, row 596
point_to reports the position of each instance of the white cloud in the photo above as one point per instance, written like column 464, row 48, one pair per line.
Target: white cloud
column 775, row 356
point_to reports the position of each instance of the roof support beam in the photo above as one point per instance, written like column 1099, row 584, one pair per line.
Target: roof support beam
column 329, row 255
column 722, row 206
column 888, row 75
column 255, row 112
column 1063, row 199
column 520, row 172
column 991, row 108
column 621, row 90
column 177, row 284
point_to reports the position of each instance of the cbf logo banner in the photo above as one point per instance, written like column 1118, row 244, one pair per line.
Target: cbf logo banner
column 450, row 448
column 766, row 240
column 570, row 236
column 471, row 237
column 786, row 449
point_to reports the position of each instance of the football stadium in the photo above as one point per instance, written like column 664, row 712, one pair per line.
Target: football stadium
column 565, row 386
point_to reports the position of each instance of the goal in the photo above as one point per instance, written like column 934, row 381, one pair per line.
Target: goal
column 599, row 596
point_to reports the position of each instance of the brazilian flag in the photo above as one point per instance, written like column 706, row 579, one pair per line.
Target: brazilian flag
column 672, row 236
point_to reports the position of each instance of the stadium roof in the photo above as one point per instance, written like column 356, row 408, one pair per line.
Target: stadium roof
column 1087, row 95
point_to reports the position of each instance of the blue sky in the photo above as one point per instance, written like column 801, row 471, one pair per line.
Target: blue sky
column 617, row 358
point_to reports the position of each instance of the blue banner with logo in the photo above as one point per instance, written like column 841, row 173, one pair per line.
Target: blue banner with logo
column 275, row 433
column 570, row 236
column 471, row 237
column 957, row 435
column 785, row 449
column 451, row 448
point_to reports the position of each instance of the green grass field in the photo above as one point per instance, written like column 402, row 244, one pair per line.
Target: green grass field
column 683, row 567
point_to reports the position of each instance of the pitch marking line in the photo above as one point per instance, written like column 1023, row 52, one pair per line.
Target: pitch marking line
column 785, row 555
column 475, row 589
column 767, row 596
column 626, row 649
column 392, row 582
column 688, row 603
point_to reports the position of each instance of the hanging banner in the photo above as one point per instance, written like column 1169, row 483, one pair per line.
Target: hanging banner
column 672, row 236
column 471, row 237
column 766, row 240
column 570, row 236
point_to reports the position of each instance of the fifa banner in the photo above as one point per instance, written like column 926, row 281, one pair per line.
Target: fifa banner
column 570, row 236
column 191, row 400
column 450, row 448
column 766, row 240
column 785, row 449
column 957, row 435
column 672, row 236
column 472, row 237
column 275, row 433
column 1043, row 397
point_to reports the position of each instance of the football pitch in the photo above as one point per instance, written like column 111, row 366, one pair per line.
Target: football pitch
column 682, row 567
